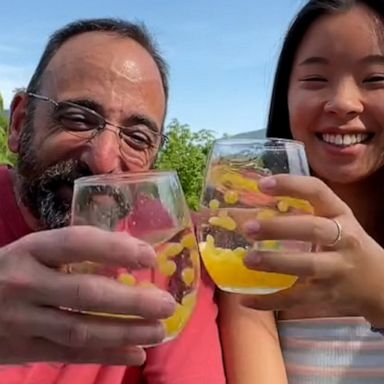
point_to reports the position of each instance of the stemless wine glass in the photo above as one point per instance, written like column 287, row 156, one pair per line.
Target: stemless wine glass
column 231, row 197
column 149, row 206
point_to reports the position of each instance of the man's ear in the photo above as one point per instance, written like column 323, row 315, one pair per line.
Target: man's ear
column 18, row 113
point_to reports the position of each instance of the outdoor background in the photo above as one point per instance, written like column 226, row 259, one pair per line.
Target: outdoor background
column 222, row 55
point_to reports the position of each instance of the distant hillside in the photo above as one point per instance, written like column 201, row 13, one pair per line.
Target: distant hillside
column 260, row 134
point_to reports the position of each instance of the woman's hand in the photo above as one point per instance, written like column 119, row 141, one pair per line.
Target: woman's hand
column 346, row 272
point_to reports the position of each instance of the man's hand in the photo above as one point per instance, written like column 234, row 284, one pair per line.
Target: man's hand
column 32, row 291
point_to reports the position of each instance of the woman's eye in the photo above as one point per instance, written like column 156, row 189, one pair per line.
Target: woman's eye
column 313, row 79
column 374, row 79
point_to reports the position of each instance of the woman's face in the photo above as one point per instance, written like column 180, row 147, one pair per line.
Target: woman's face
column 336, row 95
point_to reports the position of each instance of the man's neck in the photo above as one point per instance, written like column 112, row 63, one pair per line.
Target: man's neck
column 31, row 220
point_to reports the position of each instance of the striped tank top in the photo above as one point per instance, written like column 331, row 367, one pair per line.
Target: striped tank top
column 332, row 351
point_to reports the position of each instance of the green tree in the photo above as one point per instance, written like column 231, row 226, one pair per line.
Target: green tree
column 3, row 119
column 186, row 152
column 6, row 157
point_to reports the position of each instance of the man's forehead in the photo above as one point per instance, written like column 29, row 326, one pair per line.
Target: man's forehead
column 105, row 55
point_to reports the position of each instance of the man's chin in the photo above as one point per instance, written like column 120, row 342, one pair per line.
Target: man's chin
column 65, row 193
column 54, row 216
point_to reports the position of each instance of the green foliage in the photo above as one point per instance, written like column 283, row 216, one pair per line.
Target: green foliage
column 186, row 152
column 6, row 157
column 3, row 119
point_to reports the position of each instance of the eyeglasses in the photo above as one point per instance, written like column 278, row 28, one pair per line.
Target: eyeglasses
column 86, row 123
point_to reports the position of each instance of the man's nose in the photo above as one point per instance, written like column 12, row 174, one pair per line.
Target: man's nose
column 103, row 153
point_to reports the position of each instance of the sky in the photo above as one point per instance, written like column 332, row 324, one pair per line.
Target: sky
column 222, row 54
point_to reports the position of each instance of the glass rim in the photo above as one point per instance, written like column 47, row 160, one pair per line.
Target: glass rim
column 124, row 177
column 250, row 141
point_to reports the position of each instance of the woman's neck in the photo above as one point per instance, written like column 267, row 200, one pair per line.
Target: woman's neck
column 366, row 199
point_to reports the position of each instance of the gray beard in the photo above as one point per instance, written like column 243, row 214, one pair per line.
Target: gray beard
column 40, row 188
column 41, row 194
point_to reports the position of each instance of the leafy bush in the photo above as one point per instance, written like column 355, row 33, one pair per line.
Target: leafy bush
column 186, row 152
column 6, row 157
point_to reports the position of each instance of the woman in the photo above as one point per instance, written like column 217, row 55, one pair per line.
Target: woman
column 329, row 94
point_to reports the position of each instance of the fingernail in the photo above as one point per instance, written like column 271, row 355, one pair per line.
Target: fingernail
column 161, row 331
column 147, row 255
column 252, row 259
column 168, row 304
column 266, row 183
column 251, row 227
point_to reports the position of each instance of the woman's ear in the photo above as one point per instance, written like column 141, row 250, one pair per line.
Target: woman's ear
column 18, row 113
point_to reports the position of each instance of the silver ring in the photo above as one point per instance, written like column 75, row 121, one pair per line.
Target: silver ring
column 339, row 234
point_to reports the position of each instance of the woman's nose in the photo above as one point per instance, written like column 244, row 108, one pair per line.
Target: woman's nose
column 345, row 101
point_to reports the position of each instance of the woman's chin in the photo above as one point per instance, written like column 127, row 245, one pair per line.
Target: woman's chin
column 340, row 175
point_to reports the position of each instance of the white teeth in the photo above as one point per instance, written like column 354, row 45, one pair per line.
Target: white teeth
column 347, row 140
column 344, row 140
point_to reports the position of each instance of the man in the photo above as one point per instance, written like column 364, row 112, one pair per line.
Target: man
column 96, row 104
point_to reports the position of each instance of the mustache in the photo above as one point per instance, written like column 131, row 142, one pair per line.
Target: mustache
column 40, row 186
column 62, row 173
column 39, row 191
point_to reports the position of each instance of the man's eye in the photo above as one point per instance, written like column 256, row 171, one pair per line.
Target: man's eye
column 137, row 139
column 77, row 121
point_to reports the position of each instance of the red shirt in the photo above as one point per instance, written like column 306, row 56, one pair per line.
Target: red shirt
column 194, row 357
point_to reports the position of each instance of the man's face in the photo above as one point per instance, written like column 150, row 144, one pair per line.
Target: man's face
column 115, row 77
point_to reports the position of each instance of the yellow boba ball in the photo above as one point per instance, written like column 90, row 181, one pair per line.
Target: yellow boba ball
column 188, row 275
column 168, row 268
column 231, row 197
column 214, row 204
column 127, row 279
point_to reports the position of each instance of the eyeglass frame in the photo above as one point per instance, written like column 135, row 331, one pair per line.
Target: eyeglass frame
column 104, row 122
